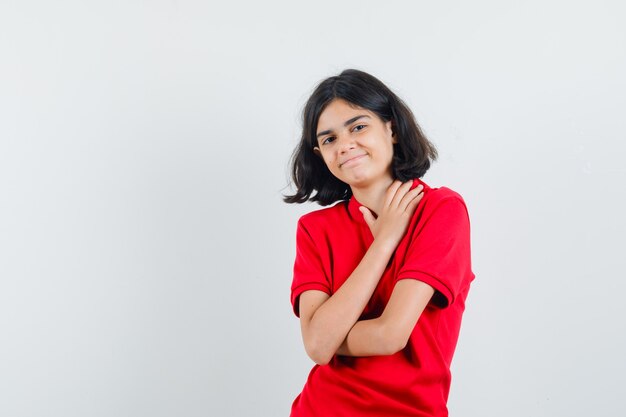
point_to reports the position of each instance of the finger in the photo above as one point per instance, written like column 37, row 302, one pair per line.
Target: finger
column 391, row 192
column 410, row 196
column 402, row 191
column 368, row 216
column 410, row 208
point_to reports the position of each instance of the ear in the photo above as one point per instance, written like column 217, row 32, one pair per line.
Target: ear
column 391, row 128
column 316, row 151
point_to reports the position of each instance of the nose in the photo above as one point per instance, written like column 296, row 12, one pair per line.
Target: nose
column 346, row 143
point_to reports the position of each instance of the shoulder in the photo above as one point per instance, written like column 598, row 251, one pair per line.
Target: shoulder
column 442, row 199
column 436, row 196
column 441, row 216
column 327, row 216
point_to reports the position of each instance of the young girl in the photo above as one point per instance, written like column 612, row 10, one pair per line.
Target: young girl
column 380, row 279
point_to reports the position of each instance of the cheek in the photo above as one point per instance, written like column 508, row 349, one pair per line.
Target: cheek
column 390, row 156
column 388, row 150
column 328, row 161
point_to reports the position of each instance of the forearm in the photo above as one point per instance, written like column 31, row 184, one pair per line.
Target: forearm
column 332, row 321
column 368, row 338
column 390, row 332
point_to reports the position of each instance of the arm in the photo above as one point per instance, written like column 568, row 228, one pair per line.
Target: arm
column 439, row 259
column 390, row 332
column 326, row 320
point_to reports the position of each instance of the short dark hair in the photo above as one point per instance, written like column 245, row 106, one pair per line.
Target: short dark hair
column 412, row 154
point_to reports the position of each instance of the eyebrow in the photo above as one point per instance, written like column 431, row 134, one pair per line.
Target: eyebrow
column 346, row 123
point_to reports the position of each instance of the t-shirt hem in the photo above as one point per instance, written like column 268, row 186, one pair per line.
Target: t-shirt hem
column 295, row 293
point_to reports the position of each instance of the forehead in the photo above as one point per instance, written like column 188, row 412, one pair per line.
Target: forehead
column 337, row 112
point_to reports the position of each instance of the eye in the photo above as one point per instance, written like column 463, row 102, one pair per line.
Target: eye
column 328, row 140
column 358, row 127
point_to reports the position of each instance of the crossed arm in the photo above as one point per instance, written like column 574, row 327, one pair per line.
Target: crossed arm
column 384, row 335
column 390, row 332
column 330, row 323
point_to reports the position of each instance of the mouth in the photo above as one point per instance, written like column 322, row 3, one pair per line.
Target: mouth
column 351, row 160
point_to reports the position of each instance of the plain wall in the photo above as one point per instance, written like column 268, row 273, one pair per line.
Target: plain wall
column 145, row 252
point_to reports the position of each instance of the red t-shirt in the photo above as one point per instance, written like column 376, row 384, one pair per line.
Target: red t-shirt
column 436, row 250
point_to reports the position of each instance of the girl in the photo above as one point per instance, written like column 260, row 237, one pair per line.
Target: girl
column 380, row 279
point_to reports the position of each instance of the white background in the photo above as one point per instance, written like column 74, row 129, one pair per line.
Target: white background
column 145, row 253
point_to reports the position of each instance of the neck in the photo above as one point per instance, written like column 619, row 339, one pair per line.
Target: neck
column 372, row 196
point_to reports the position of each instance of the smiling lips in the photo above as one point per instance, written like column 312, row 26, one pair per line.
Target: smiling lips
column 351, row 160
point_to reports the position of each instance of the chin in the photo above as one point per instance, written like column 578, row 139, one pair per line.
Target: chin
column 359, row 181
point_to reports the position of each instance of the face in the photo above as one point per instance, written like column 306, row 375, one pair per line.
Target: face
column 356, row 144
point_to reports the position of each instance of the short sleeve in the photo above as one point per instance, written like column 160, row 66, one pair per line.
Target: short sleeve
column 308, row 270
column 439, row 251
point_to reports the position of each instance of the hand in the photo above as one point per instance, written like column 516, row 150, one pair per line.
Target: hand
column 398, row 208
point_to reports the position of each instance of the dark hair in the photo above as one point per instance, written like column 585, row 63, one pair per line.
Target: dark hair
column 412, row 154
